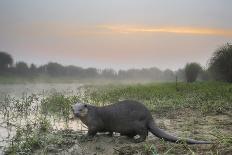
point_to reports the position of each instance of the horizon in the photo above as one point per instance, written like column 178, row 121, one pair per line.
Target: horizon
column 115, row 34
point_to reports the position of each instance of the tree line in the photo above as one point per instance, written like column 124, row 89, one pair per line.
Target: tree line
column 54, row 69
column 220, row 68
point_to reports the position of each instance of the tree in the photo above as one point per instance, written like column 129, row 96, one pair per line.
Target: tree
column 5, row 61
column 220, row 65
column 33, row 69
column 21, row 68
column 108, row 73
column 168, row 75
column 90, row 73
column 55, row 69
column 191, row 71
column 180, row 74
column 74, row 71
column 204, row 75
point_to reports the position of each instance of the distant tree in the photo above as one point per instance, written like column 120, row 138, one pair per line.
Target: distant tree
column 91, row 73
column 108, row 73
column 191, row 71
column 168, row 75
column 21, row 68
column 150, row 74
column 204, row 75
column 180, row 74
column 55, row 69
column 121, row 74
column 42, row 69
column 220, row 65
column 156, row 73
column 33, row 69
column 134, row 74
column 5, row 61
column 74, row 71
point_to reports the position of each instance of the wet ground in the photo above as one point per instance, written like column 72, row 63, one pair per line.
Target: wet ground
column 185, row 124
column 41, row 90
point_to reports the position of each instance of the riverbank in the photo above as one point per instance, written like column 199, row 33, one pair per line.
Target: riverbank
column 199, row 111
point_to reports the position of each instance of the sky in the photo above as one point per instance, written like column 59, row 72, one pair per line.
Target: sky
column 118, row 34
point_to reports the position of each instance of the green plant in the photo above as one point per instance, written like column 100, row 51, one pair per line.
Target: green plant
column 150, row 149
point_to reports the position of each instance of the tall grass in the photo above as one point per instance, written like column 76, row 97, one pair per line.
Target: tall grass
column 207, row 97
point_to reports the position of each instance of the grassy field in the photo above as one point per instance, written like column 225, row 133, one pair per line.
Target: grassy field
column 201, row 110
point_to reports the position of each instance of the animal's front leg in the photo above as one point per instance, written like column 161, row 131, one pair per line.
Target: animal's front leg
column 91, row 132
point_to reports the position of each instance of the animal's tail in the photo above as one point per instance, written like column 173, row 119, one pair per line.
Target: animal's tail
column 163, row 135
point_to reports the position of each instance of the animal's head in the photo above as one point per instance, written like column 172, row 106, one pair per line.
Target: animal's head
column 80, row 109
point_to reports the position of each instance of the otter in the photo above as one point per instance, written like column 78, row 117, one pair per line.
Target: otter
column 129, row 118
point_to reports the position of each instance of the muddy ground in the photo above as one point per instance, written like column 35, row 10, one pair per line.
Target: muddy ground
column 183, row 123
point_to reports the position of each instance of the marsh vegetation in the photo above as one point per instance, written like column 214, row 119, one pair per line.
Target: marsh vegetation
column 41, row 124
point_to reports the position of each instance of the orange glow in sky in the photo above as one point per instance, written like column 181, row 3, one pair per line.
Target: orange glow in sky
column 167, row 29
column 66, row 30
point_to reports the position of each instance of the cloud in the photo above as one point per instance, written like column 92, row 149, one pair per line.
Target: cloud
column 126, row 29
column 75, row 31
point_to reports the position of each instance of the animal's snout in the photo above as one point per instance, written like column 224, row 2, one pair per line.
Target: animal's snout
column 75, row 112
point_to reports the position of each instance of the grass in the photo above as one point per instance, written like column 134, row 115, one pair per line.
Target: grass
column 206, row 97
column 162, row 99
column 41, row 141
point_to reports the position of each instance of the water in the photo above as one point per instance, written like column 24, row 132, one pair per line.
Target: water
column 41, row 90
